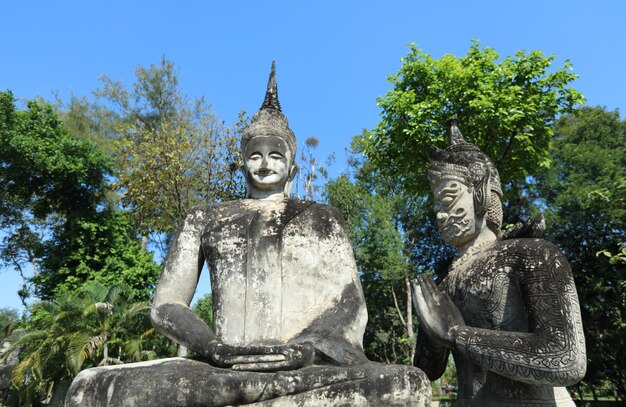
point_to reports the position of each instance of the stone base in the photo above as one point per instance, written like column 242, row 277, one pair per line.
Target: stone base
column 192, row 382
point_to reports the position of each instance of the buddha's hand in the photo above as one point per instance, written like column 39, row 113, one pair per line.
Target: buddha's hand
column 437, row 314
column 261, row 358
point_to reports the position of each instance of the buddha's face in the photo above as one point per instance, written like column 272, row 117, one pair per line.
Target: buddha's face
column 267, row 164
column 454, row 209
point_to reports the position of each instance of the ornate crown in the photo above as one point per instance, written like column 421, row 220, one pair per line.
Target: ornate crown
column 464, row 162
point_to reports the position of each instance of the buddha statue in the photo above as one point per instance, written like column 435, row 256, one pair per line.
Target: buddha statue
column 289, row 311
column 507, row 308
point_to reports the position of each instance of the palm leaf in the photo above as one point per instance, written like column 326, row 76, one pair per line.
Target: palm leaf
column 76, row 352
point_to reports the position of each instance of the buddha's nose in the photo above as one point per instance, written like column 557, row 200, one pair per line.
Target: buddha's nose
column 264, row 162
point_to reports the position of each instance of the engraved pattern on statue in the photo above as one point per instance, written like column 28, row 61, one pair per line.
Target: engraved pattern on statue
column 544, row 281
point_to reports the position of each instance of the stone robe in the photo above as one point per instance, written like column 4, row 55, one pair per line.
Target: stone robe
column 284, row 273
column 524, row 340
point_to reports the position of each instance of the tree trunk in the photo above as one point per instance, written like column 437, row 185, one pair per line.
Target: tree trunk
column 409, row 314
column 105, row 354
column 593, row 392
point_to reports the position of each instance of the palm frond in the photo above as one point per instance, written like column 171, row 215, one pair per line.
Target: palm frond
column 76, row 352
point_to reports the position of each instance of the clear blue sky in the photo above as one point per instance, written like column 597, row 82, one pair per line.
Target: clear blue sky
column 332, row 56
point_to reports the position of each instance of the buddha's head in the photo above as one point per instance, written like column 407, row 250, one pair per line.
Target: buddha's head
column 466, row 190
column 268, row 148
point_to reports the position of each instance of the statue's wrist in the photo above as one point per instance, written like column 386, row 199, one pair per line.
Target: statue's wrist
column 452, row 334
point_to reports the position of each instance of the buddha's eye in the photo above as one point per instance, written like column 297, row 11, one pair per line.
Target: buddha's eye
column 276, row 155
column 254, row 156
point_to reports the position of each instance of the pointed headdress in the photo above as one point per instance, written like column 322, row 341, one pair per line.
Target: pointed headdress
column 464, row 162
column 270, row 120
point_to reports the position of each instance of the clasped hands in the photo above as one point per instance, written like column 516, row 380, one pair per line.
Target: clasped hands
column 261, row 358
column 437, row 314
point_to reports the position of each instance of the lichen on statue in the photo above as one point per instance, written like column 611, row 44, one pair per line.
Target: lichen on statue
column 289, row 311
column 507, row 308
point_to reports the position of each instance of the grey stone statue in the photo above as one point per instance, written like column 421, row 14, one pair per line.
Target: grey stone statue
column 507, row 308
column 289, row 311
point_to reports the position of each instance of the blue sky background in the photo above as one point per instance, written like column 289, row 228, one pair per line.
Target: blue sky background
column 332, row 57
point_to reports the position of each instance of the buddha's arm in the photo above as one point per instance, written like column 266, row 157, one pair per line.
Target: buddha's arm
column 553, row 352
column 170, row 314
column 332, row 334
column 337, row 332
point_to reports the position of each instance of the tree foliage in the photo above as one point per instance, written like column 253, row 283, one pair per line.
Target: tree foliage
column 173, row 153
column 48, row 178
column 54, row 210
column 389, row 251
column 505, row 106
column 204, row 308
column 91, row 326
column 584, row 193
column 104, row 248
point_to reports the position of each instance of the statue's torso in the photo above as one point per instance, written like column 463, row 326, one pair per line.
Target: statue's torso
column 487, row 288
column 276, row 268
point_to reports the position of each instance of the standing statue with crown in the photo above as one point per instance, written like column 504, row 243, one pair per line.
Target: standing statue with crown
column 289, row 311
column 507, row 308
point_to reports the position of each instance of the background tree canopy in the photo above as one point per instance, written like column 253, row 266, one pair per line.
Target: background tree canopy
column 505, row 106
column 583, row 197
column 56, row 214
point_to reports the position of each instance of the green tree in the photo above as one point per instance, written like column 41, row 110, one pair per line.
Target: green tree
column 92, row 326
column 54, row 213
column 173, row 153
column 389, row 252
column 583, row 194
column 48, row 178
column 104, row 248
column 204, row 309
column 505, row 106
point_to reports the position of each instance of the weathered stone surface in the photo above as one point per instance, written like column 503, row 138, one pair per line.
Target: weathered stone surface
column 507, row 308
column 189, row 382
column 289, row 311
column 7, row 365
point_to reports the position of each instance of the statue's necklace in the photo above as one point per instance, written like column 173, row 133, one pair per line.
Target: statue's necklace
column 463, row 259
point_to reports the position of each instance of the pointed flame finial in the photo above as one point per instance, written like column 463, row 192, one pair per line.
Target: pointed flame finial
column 271, row 95
column 455, row 136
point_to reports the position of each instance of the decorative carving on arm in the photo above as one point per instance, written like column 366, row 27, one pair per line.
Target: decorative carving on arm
column 553, row 352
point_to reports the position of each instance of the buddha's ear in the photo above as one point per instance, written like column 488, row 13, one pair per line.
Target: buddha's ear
column 293, row 171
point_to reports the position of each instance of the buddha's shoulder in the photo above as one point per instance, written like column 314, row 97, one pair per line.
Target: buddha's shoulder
column 324, row 220
column 213, row 211
column 318, row 211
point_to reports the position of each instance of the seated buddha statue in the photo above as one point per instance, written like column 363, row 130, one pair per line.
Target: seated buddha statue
column 289, row 311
